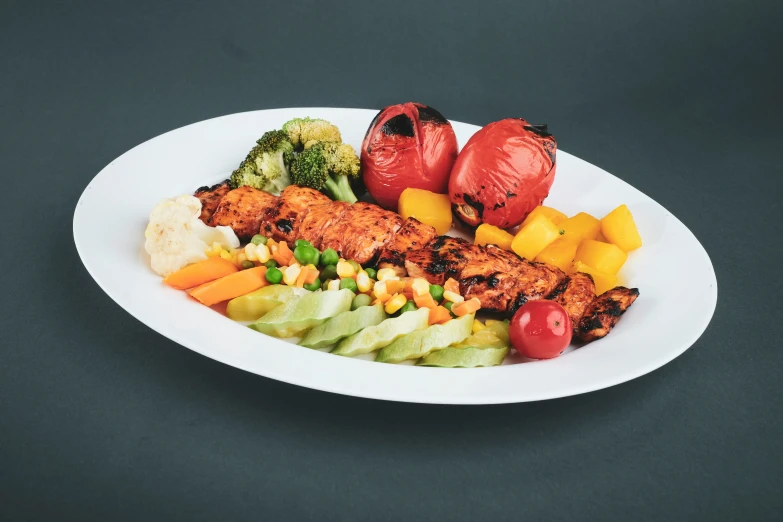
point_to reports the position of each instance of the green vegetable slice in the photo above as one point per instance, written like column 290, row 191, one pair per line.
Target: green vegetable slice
column 297, row 316
column 421, row 343
column 253, row 306
column 343, row 325
column 487, row 347
column 375, row 337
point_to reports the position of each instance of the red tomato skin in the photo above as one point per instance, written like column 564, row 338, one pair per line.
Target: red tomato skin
column 407, row 145
column 502, row 173
column 540, row 330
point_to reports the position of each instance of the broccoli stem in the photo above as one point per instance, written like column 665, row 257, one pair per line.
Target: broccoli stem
column 339, row 189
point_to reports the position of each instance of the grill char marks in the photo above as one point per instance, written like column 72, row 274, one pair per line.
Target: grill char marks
column 362, row 232
column 413, row 235
column 604, row 311
column 443, row 258
column 282, row 222
column 574, row 294
column 210, row 199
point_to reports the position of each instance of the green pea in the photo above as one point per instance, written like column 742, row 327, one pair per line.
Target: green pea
column 350, row 284
column 361, row 300
column 271, row 264
column 356, row 266
column 373, row 273
column 305, row 255
column 329, row 257
column 247, row 264
column 274, row 275
column 329, row 272
column 447, row 305
column 302, row 242
column 315, row 285
column 408, row 307
column 258, row 239
column 436, row 291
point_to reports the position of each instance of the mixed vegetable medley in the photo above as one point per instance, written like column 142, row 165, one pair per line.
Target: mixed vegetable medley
column 548, row 277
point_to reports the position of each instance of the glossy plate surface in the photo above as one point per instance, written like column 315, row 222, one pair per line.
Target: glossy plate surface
column 112, row 213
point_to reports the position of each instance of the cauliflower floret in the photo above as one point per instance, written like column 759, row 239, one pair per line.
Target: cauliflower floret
column 176, row 237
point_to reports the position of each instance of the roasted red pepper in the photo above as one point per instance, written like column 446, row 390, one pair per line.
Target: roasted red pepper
column 502, row 173
column 407, row 145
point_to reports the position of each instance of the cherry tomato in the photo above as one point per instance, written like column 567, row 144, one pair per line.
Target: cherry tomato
column 540, row 330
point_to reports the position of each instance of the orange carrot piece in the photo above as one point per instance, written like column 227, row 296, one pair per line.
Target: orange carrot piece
column 302, row 277
column 439, row 315
column 230, row 286
column 200, row 273
column 394, row 286
column 425, row 301
column 466, row 307
column 451, row 285
column 408, row 293
column 383, row 298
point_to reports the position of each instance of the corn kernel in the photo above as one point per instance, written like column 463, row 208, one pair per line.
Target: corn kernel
column 225, row 255
column 385, row 274
column 312, row 267
column 262, row 253
column 363, row 281
column 217, row 247
column 395, row 303
column 345, row 269
column 334, row 284
column 477, row 326
column 420, row 286
column 250, row 252
column 241, row 257
column 291, row 273
column 453, row 297
column 379, row 289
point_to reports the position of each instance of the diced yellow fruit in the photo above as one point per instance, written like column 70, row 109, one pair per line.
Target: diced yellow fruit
column 492, row 235
column 386, row 274
column 345, row 269
column 535, row 237
column 334, row 284
column 363, row 281
column 420, row 286
column 559, row 253
column 454, row 297
column 602, row 280
column 555, row 216
column 477, row 326
column 428, row 207
column 604, row 257
column 619, row 228
column 395, row 303
column 581, row 226
column 291, row 273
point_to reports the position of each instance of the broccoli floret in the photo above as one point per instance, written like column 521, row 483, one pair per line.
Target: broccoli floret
column 303, row 130
column 329, row 167
column 266, row 166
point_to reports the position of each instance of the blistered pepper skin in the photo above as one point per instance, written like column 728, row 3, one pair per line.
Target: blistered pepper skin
column 407, row 145
column 502, row 173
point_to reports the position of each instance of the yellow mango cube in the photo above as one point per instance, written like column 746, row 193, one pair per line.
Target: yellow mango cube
column 604, row 257
column 581, row 226
column 602, row 280
column 535, row 237
column 492, row 235
column 428, row 207
column 555, row 216
column 559, row 253
column 619, row 228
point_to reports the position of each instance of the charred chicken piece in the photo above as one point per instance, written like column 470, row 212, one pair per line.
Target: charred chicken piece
column 243, row 210
column 210, row 199
column 574, row 294
column 282, row 223
column 441, row 259
column 534, row 281
column 319, row 219
column 603, row 313
column 412, row 236
column 489, row 276
column 362, row 232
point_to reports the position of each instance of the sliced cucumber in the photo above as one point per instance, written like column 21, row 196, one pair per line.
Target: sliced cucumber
column 378, row 336
column 299, row 315
column 421, row 343
column 344, row 325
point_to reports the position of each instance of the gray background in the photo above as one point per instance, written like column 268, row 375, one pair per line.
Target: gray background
column 102, row 419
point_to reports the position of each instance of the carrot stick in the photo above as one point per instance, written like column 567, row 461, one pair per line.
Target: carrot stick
column 312, row 275
column 300, row 279
column 439, row 315
column 466, row 307
column 230, row 286
column 200, row 273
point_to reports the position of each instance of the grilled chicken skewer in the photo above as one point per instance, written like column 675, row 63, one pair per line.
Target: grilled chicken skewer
column 364, row 232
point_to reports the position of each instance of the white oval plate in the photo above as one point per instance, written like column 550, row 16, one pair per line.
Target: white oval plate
column 672, row 271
